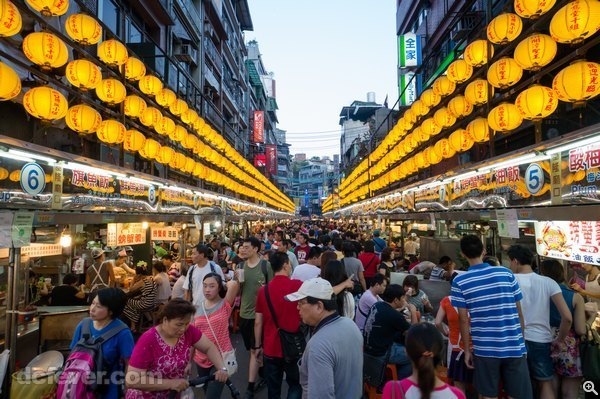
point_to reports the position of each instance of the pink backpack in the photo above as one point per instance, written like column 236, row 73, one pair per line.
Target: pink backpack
column 78, row 379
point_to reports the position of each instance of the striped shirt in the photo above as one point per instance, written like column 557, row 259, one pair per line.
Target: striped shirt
column 490, row 294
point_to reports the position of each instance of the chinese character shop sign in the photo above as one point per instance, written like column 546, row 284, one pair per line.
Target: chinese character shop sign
column 259, row 126
column 164, row 234
column 125, row 234
column 409, row 49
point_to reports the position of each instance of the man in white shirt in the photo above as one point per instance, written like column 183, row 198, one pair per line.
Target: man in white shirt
column 193, row 287
column 312, row 267
column 284, row 247
column 411, row 246
column 538, row 291
column 368, row 299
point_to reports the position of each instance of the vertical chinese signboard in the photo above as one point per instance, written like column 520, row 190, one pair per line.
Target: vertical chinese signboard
column 409, row 50
column 259, row 126
column 408, row 88
column 271, row 155
column 577, row 241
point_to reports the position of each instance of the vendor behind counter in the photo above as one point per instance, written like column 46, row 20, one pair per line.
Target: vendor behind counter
column 68, row 294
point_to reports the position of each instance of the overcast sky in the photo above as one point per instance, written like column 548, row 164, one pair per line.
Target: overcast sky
column 325, row 54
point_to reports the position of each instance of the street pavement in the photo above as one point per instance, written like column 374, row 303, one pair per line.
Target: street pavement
column 240, row 379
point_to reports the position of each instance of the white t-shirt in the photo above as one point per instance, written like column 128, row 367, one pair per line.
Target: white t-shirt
column 198, row 274
column 178, row 288
column 164, row 288
column 535, row 305
column 367, row 300
column 305, row 272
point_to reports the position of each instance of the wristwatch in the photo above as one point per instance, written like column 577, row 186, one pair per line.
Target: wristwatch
column 223, row 369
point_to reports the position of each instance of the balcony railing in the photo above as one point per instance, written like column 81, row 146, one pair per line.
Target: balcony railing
column 213, row 54
column 189, row 9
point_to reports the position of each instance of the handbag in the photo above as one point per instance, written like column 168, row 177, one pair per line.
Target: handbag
column 228, row 357
column 589, row 351
column 293, row 344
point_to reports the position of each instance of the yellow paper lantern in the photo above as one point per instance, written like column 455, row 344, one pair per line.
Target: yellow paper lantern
column 10, row 84
column 178, row 107
column 460, row 107
column 420, row 135
column 533, row 8
column 10, row 19
column 15, row 175
column 178, row 161
column 444, row 118
column 421, row 160
column 151, row 117
column 3, row 173
column 577, row 82
column 504, row 28
column 444, row 149
column 83, row 119
column 537, row 102
column 113, row 53
column 134, row 141
column 134, row 106
column 150, row 85
column 165, row 155
column 179, row 134
column 479, row 130
column 459, row 71
column 419, row 108
column 430, row 98
column 461, row 140
column 150, row 149
column 166, row 127
column 111, row 91
column 410, row 116
column 45, row 50
column 505, row 117
column 477, row 93
column 83, row 29
column 83, row 74
column 189, row 117
column 430, row 127
column 443, row 86
column 189, row 165
column 504, row 73
column 576, row 21
column 535, row 52
column 199, row 124
column 165, row 97
column 50, row 8
column 134, row 69
column 476, row 53
column 111, row 132
column 190, row 141
column 45, row 103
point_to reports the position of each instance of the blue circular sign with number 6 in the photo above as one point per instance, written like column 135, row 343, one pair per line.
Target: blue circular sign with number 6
column 33, row 178
column 534, row 178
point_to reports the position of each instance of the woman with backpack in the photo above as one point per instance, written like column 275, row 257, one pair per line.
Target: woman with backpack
column 213, row 322
column 116, row 346
column 160, row 360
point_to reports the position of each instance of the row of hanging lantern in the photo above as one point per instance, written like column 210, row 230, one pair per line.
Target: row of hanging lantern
column 49, row 52
column 576, row 83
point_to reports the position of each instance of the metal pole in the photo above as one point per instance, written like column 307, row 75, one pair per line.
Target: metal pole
column 12, row 303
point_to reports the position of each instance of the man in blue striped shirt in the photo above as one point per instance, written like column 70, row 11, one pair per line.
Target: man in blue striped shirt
column 490, row 296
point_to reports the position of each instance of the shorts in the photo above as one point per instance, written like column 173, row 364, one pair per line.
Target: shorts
column 511, row 371
column 247, row 331
column 457, row 368
column 539, row 360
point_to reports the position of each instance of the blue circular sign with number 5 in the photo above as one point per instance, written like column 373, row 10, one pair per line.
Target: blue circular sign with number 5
column 534, row 178
column 33, row 178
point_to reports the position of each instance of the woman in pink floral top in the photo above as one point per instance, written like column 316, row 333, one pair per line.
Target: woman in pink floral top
column 161, row 357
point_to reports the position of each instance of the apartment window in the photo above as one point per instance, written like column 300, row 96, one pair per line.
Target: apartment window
column 111, row 16
column 420, row 19
column 134, row 34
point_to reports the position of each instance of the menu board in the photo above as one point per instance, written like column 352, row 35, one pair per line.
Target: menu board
column 577, row 241
column 164, row 234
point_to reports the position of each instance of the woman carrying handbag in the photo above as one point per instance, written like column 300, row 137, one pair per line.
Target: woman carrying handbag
column 213, row 320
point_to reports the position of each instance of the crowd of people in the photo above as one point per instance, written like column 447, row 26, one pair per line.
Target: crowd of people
column 314, row 300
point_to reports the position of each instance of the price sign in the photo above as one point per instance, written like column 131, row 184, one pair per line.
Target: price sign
column 33, row 178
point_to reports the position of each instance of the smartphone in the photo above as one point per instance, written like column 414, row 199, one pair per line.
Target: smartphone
column 351, row 277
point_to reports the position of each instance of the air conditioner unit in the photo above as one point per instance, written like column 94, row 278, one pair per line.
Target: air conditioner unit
column 187, row 53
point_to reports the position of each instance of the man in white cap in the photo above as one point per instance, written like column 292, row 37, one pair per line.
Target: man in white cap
column 333, row 360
